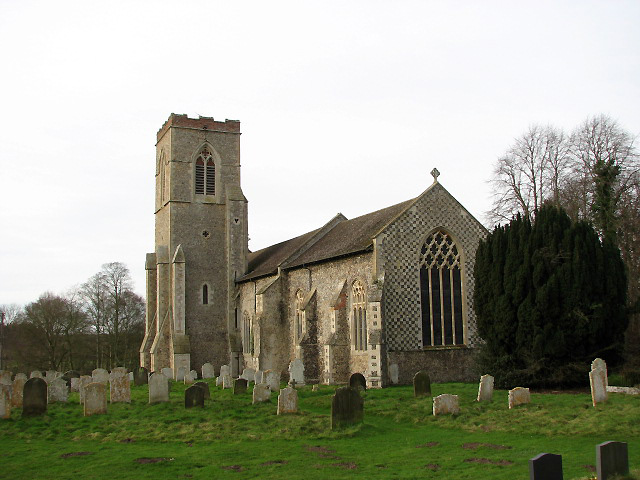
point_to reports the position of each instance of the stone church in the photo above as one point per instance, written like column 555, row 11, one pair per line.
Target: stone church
column 384, row 294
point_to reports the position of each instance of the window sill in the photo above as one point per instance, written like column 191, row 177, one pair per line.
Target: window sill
column 446, row 347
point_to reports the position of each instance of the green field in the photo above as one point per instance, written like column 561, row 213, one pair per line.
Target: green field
column 400, row 438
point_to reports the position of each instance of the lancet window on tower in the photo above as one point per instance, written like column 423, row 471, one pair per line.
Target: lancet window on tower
column 205, row 178
column 441, row 291
column 359, row 316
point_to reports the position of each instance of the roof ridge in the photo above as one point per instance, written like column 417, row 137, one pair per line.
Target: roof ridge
column 321, row 232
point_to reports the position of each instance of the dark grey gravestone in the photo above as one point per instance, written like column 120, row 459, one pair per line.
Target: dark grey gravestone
column 140, row 376
column 239, row 386
column 205, row 388
column 358, row 381
column 193, row 397
column 546, row 466
column 34, row 397
column 421, row 384
column 347, row 407
column 612, row 458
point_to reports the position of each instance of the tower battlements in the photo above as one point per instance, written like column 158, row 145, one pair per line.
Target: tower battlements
column 200, row 123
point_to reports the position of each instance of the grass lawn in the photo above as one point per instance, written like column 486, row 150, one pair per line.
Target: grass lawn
column 400, row 438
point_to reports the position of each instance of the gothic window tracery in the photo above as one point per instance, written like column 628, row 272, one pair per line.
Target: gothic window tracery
column 441, row 291
column 205, row 173
column 359, row 316
column 299, row 318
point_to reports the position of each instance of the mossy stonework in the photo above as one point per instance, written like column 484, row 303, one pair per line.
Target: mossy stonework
column 393, row 287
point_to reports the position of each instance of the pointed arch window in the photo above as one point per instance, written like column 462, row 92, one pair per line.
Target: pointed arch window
column 205, row 294
column 205, row 174
column 441, row 291
column 300, row 317
column 247, row 341
column 359, row 316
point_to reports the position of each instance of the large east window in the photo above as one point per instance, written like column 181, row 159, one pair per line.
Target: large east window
column 441, row 291
column 205, row 173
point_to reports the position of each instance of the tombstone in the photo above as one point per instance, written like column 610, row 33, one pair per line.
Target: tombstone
column 180, row 374
column 100, row 375
column 358, row 381
column 485, row 389
column 394, row 373
column 75, row 384
column 446, row 404
column 167, row 372
column 68, row 375
column 5, row 401
column 218, row 381
column 259, row 377
column 193, row 397
column 140, row 376
column 296, row 372
column 347, row 407
column 225, row 370
column 57, row 391
column 205, row 388
column 36, row 374
column 50, row 376
column 208, row 371
column 261, row 393
column 519, row 396
column 612, row 458
column 84, row 381
column 249, row 374
column 288, row 401
column 5, row 377
column 227, row 381
column 119, row 387
column 272, row 378
column 189, row 378
column 598, row 383
column 34, row 397
column 95, row 399
column 546, row 466
column 240, row 386
column 16, row 390
column 130, row 377
column 422, row 384
column 158, row 388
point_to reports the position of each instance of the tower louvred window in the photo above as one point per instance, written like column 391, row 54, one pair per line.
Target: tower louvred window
column 211, row 178
column 205, row 173
column 199, row 176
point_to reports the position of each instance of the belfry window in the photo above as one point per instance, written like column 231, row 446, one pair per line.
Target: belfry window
column 441, row 291
column 359, row 316
column 299, row 320
column 205, row 179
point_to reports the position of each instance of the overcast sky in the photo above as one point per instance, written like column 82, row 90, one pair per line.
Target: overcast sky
column 345, row 106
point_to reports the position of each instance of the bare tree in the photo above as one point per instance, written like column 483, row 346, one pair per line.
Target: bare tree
column 95, row 300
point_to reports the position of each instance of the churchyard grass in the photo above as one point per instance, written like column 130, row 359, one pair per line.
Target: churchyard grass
column 400, row 438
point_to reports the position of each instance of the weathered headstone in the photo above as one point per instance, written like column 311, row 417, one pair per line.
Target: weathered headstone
column 130, row 377
column 208, row 371
column 249, row 374
column 394, row 373
column 100, row 375
column 485, row 389
column 34, row 397
column 421, row 384
column 51, row 375
column 218, row 381
column 598, row 381
column 158, row 388
column 75, row 384
column 120, row 387
column 227, row 381
column 193, row 397
column 57, row 391
column 84, row 381
column 446, row 404
column 261, row 393
column 140, row 376
column 225, row 370
column 546, row 466
column 189, row 378
column 36, row 374
column 5, row 377
column 205, row 388
column 68, row 375
column 17, row 388
column 259, row 377
column 347, row 407
column 5, row 401
column 95, row 399
column 167, row 372
column 194, row 374
column 358, row 381
column 240, row 386
column 180, row 373
column 296, row 372
column 288, row 401
column 519, row 396
column 612, row 458
column 272, row 378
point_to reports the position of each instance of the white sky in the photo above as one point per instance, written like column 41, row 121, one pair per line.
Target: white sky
column 345, row 106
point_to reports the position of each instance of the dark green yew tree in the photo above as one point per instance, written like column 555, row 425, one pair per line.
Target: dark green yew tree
column 549, row 298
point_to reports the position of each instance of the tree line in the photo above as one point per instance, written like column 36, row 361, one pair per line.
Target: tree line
column 99, row 324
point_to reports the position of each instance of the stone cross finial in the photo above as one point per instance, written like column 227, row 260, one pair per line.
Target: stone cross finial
column 435, row 173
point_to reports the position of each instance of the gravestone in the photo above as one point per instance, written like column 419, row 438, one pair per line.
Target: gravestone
column 36, row 374
column 519, row 396
column 485, row 389
column 180, row 374
column 119, row 387
column 57, row 391
column 5, row 401
column 421, row 384
column 51, row 375
column 68, row 375
column 288, row 401
column 5, row 377
column 218, row 381
column 394, row 373
column 446, row 404
column 167, row 372
column 208, row 371
column 225, row 370
column 189, row 378
column 227, row 381
column 272, row 378
column 34, row 397
column 347, row 407
column 249, row 374
column 296, row 372
column 84, row 381
column 193, row 397
column 259, row 377
column 598, row 381
column 130, row 377
column 240, row 386
column 75, row 384
column 358, row 381
column 158, row 388
column 612, row 458
column 100, row 375
column 261, row 393
column 95, row 399
column 140, row 376
column 194, row 374
column 16, row 389
column 205, row 388
column 546, row 466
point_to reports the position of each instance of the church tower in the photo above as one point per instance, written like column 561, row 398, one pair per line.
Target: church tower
column 201, row 245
